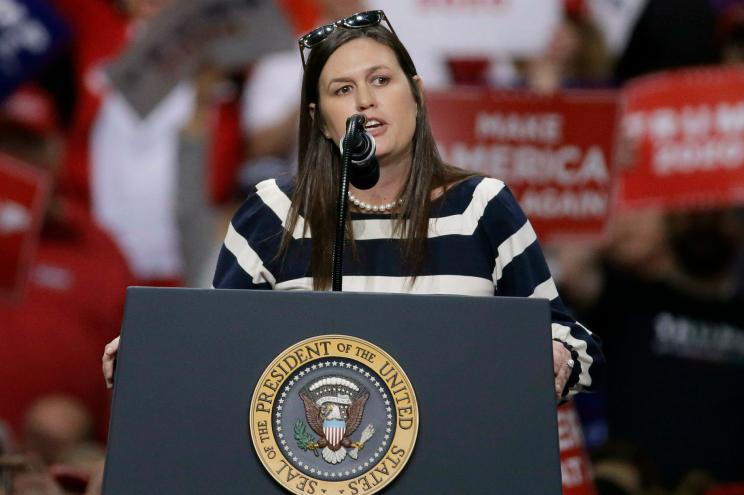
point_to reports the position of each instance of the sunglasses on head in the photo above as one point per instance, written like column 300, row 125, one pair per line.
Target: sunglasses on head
column 356, row 21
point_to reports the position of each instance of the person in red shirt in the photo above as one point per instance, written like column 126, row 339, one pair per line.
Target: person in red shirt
column 126, row 168
column 74, row 296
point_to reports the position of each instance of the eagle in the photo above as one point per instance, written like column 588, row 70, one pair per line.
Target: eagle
column 334, row 432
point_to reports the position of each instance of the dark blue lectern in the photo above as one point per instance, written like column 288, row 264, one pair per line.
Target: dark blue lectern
column 190, row 360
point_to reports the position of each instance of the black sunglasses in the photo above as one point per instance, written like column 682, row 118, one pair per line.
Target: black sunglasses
column 356, row 21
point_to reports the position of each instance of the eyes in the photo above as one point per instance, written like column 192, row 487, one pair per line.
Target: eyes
column 378, row 81
column 343, row 90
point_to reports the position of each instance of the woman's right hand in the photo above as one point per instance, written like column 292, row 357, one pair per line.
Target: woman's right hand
column 109, row 361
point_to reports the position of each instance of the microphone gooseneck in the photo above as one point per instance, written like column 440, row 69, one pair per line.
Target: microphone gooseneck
column 360, row 168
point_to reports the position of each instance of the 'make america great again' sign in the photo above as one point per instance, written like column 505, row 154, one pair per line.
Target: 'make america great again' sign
column 552, row 151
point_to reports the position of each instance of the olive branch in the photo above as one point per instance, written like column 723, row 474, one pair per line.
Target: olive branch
column 305, row 441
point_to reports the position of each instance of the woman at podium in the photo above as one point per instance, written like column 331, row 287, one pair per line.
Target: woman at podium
column 426, row 227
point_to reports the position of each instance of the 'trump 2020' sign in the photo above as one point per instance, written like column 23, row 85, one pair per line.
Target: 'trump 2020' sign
column 689, row 128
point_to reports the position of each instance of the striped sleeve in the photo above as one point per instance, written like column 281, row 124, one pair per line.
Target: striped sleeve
column 520, row 270
column 250, row 244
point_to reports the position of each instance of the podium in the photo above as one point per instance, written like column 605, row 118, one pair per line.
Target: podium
column 191, row 359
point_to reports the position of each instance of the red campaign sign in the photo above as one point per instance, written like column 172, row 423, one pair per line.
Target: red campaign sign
column 689, row 129
column 552, row 151
column 24, row 191
column 575, row 468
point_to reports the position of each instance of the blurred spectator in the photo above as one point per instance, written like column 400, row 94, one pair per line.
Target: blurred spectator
column 51, row 339
column 35, row 481
column 615, row 18
column 696, row 483
column 54, row 425
column 27, row 474
column 674, row 331
column 623, row 469
column 129, row 168
column 58, row 430
column 731, row 33
column 5, row 444
column 670, row 34
column 270, row 117
column 195, row 212
column 637, row 241
column 80, row 470
column 576, row 57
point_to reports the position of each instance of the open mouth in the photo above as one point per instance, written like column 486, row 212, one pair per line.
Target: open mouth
column 372, row 124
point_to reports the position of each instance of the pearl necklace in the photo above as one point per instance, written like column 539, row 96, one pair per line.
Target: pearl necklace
column 374, row 208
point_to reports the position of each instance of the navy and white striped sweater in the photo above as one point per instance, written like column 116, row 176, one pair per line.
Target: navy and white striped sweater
column 480, row 244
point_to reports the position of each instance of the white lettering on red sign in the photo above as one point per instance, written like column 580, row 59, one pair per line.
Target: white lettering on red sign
column 553, row 203
column 693, row 138
column 688, row 157
column 689, row 121
column 533, row 165
column 569, row 430
column 14, row 217
column 575, row 472
column 572, row 472
column 544, row 128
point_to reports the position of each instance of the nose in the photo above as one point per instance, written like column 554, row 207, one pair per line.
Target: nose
column 365, row 98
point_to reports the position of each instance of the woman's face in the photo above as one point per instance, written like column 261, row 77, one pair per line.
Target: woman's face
column 363, row 76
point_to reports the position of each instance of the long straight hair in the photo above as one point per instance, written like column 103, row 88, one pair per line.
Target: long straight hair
column 319, row 167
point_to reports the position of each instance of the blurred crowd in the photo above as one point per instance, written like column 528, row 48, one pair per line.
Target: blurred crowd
column 145, row 201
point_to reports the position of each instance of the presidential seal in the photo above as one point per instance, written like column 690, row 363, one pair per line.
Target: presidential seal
column 334, row 415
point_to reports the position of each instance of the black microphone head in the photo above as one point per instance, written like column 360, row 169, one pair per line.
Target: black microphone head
column 364, row 169
column 365, row 176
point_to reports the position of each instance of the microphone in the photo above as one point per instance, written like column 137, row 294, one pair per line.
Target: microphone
column 364, row 170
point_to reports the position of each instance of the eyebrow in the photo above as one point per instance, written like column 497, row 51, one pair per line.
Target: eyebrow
column 347, row 79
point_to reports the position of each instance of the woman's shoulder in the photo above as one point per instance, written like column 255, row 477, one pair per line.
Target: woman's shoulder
column 275, row 187
column 476, row 187
column 270, row 200
column 481, row 196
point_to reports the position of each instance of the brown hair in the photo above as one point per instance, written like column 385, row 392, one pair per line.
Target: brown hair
column 592, row 60
column 319, row 169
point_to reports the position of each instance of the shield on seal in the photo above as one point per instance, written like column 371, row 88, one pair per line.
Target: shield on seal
column 334, row 430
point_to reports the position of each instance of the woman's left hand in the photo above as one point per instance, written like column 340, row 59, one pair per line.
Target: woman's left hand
column 562, row 366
